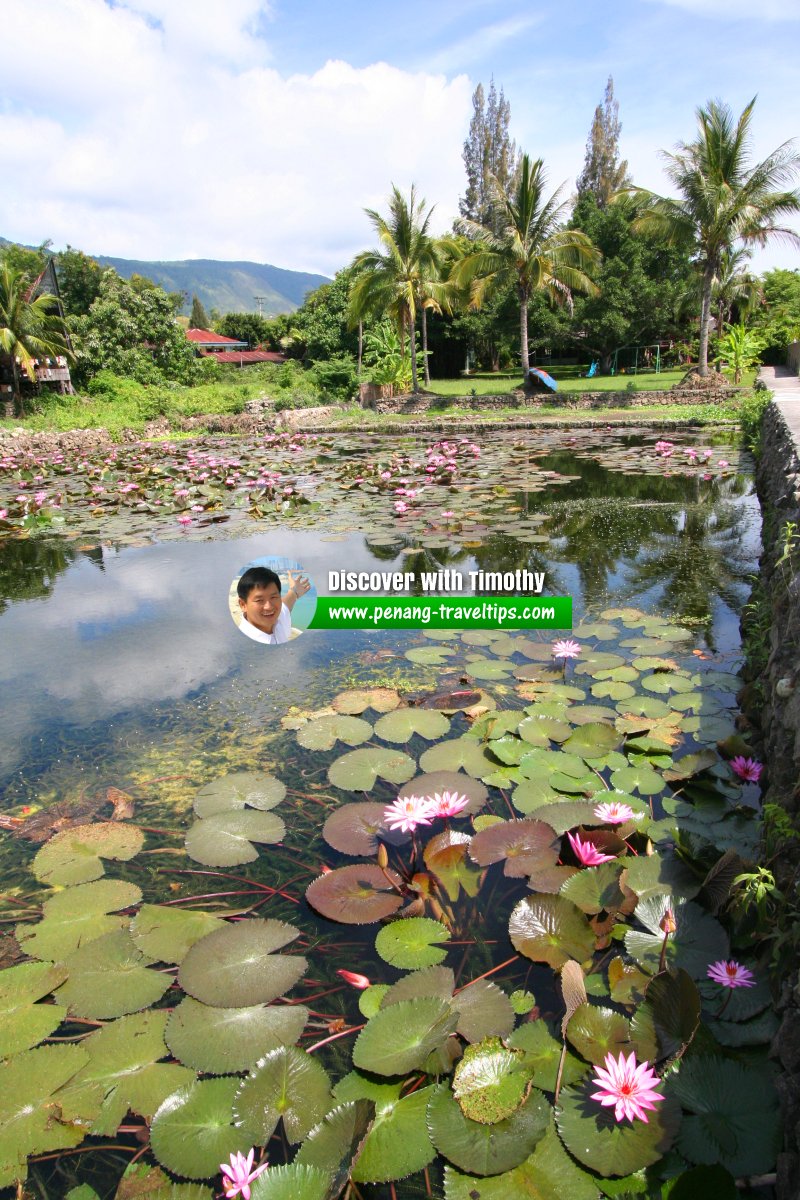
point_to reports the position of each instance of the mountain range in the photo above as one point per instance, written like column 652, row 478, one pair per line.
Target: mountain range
column 226, row 286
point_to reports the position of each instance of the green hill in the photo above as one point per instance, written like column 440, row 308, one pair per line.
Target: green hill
column 227, row 286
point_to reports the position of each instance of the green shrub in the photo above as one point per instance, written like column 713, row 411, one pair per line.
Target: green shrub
column 752, row 407
column 336, row 378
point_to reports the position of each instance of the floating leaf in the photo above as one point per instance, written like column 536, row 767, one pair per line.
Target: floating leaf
column 550, row 929
column 411, row 942
column 712, row 1183
column 595, row 1032
column 445, row 857
column 400, row 1038
column 356, row 829
column 166, row 934
column 521, row 845
column 641, row 779
column 592, row 1134
column 193, row 1131
column 296, row 1181
column 484, row 1010
column 142, row 1181
column 108, row 977
column 226, row 839
column 489, row 1083
column 23, row 1022
column 627, row 984
column 698, row 941
column 486, row 1149
column 429, row 656
column 401, row 725
column 356, row 700
column 219, row 1041
column 236, row 966
column 691, row 764
column 335, row 1143
column 231, row 793
column 398, row 1143
column 286, row 1083
column 533, row 794
column 430, row 981
column 593, row 740
column 660, row 874
column 448, row 781
column 358, row 770
column 29, row 1121
column 74, row 855
column 325, row 732
column 458, row 754
column 596, row 889
column 547, row 1174
column 371, row 998
column 613, row 689
column 671, row 1012
column 79, row 915
column 356, row 895
column 732, row 1115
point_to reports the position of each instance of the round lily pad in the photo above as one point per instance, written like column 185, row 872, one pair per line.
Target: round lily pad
column 484, row 1010
column 596, row 1032
column 74, row 855
column 401, row 725
column 698, row 940
column 226, row 839
column 489, row 1083
column 356, row 700
column 429, row 656
column 109, row 977
column 486, row 1149
column 398, row 1142
column 193, row 1130
column 458, row 754
column 236, row 966
column 412, row 942
column 593, row 740
column 356, row 895
column 550, row 929
column 219, row 1041
column 732, row 1114
column 326, row 731
column 167, row 933
column 286, row 1083
column 358, row 770
column 23, row 1022
column 76, row 916
column 592, row 1134
column 521, row 845
column 433, row 782
column 400, row 1038
column 232, row 792
column 642, row 779
column 356, row 829
column 294, row 1181
column 430, row 981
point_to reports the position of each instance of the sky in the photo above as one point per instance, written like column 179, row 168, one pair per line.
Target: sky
column 262, row 129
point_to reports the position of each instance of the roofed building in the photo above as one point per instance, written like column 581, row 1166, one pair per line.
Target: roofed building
column 229, row 350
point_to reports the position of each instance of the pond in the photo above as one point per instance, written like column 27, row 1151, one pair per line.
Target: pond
column 134, row 714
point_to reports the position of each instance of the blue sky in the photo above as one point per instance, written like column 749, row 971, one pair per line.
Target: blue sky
column 245, row 129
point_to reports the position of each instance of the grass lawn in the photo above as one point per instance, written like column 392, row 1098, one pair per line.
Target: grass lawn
column 568, row 380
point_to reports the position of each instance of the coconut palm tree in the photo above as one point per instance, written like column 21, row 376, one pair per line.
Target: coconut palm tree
column 29, row 327
column 734, row 286
column 531, row 248
column 724, row 202
column 394, row 279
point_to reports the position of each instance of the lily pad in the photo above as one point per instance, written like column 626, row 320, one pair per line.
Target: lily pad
column 429, row 656
column 356, row 829
column 193, row 1131
column 166, row 934
column 550, row 929
column 547, row 1174
column 23, row 1022
column 458, row 754
column 76, row 916
column 231, row 793
column 28, row 1112
column 294, row 1181
column 356, row 895
column 398, row 1143
column 357, row 700
column 592, row 1134
column 642, row 779
column 593, row 740
column 430, row 981
column 484, row 1010
column 336, row 1142
column 226, row 839
column 667, row 1021
column 358, row 770
column 596, row 1032
column 400, row 1038
column 74, row 855
column 698, row 940
column 286, row 1083
column 446, row 857
column 219, row 1041
column 543, row 1055
column 401, row 725
column 108, row 977
column 412, row 942
column 489, row 1082
column 486, row 1149
column 732, row 1114
column 521, row 845
column 448, row 781
column 236, row 966
column 596, row 889
column 325, row 732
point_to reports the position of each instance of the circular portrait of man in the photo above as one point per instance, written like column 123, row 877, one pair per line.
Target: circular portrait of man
column 272, row 601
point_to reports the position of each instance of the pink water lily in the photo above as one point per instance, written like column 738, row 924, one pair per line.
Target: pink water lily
column 354, row 979
column 730, row 974
column 626, row 1087
column 586, row 853
column 407, row 812
column 748, row 769
column 238, row 1175
column 566, row 648
column 614, row 813
column 447, row 804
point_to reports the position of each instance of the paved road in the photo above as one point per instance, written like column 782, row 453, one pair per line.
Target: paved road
column 786, row 388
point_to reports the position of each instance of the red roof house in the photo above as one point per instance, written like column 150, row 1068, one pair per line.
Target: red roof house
column 229, row 350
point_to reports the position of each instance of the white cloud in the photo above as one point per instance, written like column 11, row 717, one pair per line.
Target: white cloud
column 731, row 10
column 141, row 138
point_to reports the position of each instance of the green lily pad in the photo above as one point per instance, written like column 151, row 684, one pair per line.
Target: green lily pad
column 592, row 1134
column 166, row 933
column 691, row 764
column 219, row 1041
column 543, row 1054
column 397, row 1143
column 596, row 889
column 286, row 1083
column 401, row 725
column 541, row 730
column 28, row 1112
column 667, row 1021
column 484, row 1010
column 593, row 740
column 698, row 941
column 236, row 966
column 489, row 1082
column 486, row 1149
column 324, row 732
column 226, row 839
column 371, row 999
column 335, row 1143
column 550, row 929
column 74, row 855
column 358, row 770
column 458, row 754
column 732, row 1114
column 661, row 874
column 520, row 845
column 356, row 895
column 400, row 1038
column 642, row 779
column 430, row 981
column 758, row 1031
column 433, row 782
column 230, row 793
column 429, row 656
column 295, row 1181
column 547, row 1174
column 23, row 1022
column 123, row 1073
column 76, row 916
column 644, row 706
column 596, row 1032
column 108, row 977
column 411, row 942
column 193, row 1131
column 487, row 668
column 612, row 689
column 532, row 794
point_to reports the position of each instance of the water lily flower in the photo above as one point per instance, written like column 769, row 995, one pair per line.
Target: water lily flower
column 587, row 854
column 661, row 446
column 354, row 979
column 238, row 1175
column 407, row 812
column 627, row 1087
column 184, row 519
column 448, row 513
column 723, row 463
column 447, row 804
column 748, row 769
column 730, row 974
column 566, row 648
column 614, row 813
column 400, row 506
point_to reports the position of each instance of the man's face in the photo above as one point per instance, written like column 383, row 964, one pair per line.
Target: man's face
column 262, row 607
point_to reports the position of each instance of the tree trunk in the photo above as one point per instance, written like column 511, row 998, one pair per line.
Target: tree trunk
column 705, row 319
column 360, row 347
column 17, row 390
column 523, row 331
column 426, row 368
column 412, row 335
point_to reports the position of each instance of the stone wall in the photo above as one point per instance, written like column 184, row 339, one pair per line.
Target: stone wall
column 568, row 401
column 778, row 713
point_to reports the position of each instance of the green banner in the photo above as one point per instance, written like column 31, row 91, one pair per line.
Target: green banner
column 443, row 612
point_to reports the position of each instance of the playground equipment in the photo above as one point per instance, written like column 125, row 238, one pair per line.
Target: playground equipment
column 590, row 374
column 630, row 360
column 539, row 380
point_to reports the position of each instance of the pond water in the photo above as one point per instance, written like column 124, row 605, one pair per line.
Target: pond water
column 122, row 667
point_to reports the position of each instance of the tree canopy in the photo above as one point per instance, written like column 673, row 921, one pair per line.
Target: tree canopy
column 603, row 173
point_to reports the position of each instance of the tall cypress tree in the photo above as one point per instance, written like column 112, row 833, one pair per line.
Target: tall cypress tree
column 199, row 318
column 488, row 151
column 603, row 173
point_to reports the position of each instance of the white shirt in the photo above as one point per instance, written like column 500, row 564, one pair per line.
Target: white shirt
column 281, row 633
